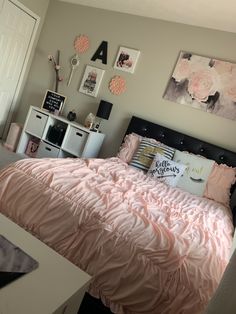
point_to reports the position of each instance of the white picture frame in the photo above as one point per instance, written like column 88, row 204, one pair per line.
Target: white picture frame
column 126, row 59
column 91, row 81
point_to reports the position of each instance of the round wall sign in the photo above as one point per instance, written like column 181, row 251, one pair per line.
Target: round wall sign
column 81, row 44
column 117, row 85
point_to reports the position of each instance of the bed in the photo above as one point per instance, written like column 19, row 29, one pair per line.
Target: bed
column 150, row 248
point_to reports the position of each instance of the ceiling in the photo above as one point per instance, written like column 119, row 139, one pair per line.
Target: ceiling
column 215, row 14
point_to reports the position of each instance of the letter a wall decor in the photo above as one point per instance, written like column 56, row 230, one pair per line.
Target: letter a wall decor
column 101, row 53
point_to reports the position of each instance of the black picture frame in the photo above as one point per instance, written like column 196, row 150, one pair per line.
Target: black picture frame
column 53, row 102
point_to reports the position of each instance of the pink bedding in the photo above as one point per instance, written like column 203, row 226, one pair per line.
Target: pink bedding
column 151, row 248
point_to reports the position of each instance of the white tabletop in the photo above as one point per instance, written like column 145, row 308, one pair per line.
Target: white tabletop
column 45, row 289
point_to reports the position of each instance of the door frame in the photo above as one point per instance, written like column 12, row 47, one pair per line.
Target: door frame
column 25, row 67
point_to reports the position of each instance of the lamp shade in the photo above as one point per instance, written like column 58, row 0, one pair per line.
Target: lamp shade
column 104, row 109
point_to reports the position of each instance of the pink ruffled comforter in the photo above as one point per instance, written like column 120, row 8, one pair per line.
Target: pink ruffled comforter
column 151, row 248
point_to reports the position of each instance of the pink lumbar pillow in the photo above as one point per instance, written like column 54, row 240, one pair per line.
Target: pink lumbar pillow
column 219, row 183
column 129, row 147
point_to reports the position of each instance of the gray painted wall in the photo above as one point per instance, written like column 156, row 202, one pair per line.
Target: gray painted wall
column 159, row 42
column 38, row 7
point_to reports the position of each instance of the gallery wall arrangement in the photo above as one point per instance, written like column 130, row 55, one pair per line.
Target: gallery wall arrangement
column 204, row 83
column 126, row 61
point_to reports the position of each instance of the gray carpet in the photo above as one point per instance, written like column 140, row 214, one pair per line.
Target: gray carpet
column 7, row 157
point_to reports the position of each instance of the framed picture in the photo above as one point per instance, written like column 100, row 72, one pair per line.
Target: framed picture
column 53, row 102
column 204, row 83
column 126, row 59
column 91, row 81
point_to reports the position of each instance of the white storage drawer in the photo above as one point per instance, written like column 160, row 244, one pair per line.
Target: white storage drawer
column 36, row 123
column 75, row 140
column 46, row 150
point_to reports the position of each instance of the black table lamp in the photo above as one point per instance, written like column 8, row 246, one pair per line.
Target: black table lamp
column 103, row 112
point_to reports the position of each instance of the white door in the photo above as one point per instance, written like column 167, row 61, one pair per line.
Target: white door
column 16, row 29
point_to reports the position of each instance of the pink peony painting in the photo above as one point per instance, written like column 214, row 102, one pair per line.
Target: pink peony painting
column 204, row 83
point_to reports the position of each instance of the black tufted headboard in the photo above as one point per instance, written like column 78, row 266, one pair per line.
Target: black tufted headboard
column 182, row 142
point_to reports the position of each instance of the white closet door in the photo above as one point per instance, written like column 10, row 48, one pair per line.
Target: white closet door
column 16, row 29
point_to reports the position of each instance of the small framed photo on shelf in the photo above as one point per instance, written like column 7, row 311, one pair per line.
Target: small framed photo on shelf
column 53, row 102
column 32, row 147
column 126, row 59
column 91, row 81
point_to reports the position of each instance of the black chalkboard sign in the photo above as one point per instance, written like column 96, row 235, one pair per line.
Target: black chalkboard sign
column 53, row 102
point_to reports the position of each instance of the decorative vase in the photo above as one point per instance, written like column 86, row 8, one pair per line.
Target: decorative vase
column 71, row 116
column 89, row 121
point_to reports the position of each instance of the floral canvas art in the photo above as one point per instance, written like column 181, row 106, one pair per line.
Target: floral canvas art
column 204, row 83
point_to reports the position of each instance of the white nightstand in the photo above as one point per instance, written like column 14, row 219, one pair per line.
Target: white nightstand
column 55, row 287
column 75, row 141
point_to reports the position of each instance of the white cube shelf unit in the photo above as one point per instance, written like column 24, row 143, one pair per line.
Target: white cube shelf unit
column 75, row 140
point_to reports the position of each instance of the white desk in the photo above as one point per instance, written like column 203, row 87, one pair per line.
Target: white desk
column 55, row 287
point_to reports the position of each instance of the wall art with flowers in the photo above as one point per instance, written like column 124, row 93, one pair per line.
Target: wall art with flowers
column 204, row 83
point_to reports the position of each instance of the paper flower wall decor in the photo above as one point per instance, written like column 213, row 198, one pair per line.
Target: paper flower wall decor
column 117, row 85
column 57, row 67
column 81, row 44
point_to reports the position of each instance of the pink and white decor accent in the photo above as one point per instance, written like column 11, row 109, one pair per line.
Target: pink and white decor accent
column 81, row 44
column 117, row 85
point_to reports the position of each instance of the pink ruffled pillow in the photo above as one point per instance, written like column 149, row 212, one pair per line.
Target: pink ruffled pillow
column 130, row 145
column 219, row 183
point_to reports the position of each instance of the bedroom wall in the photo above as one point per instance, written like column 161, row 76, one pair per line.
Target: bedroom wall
column 159, row 42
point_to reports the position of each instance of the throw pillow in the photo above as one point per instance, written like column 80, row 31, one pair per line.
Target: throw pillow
column 129, row 147
column 196, row 175
column 166, row 170
column 219, row 183
column 143, row 157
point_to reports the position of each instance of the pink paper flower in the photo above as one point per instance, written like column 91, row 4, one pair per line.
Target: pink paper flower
column 202, row 84
column 117, row 85
column 81, row 43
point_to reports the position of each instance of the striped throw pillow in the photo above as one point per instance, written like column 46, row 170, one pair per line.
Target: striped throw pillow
column 146, row 151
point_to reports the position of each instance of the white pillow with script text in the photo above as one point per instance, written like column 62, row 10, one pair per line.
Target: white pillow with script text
column 166, row 170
